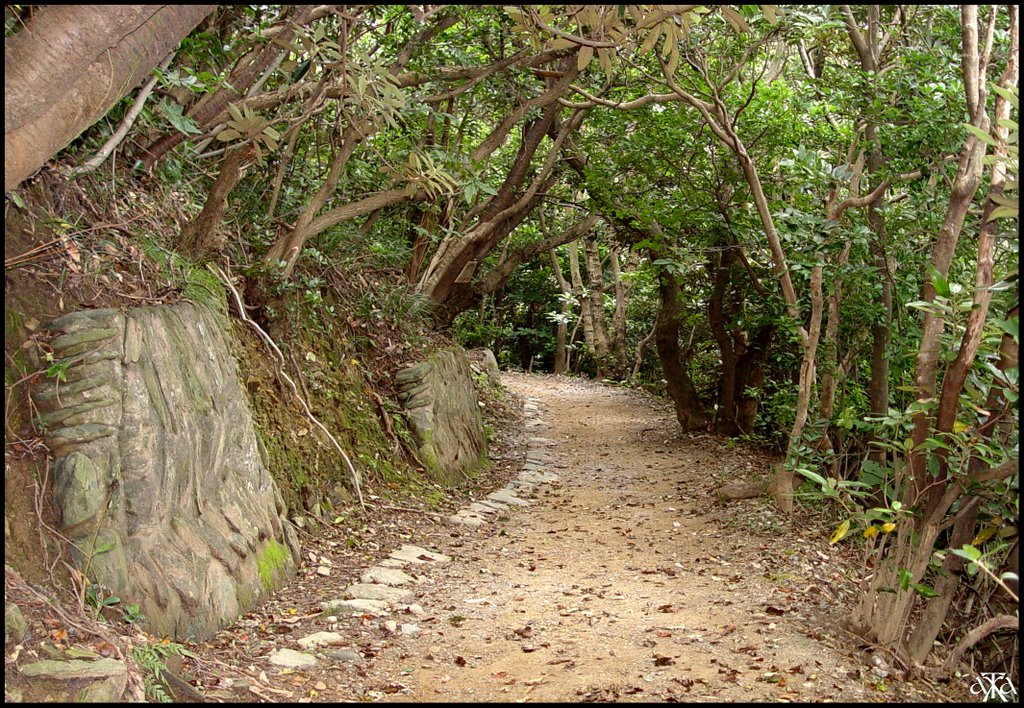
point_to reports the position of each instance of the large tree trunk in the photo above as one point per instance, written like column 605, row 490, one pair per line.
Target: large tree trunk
column 71, row 64
column 601, row 341
column 689, row 409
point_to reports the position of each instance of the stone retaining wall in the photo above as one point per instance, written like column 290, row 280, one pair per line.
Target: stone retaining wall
column 444, row 415
column 159, row 477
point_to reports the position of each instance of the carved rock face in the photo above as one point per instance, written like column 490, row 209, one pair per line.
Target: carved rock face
column 158, row 474
column 443, row 414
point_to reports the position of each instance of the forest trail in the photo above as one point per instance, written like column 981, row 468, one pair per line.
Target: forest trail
column 622, row 581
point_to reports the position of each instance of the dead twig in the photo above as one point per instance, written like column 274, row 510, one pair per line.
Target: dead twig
column 996, row 624
column 126, row 124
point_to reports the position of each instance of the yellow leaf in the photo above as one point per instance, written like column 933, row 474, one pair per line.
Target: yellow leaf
column 871, row 531
column 735, row 19
column 585, row 56
column 888, row 527
column 959, row 427
column 840, row 532
column 984, row 535
column 769, row 14
column 651, row 40
column 561, row 43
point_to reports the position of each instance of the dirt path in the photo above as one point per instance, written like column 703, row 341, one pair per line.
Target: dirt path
column 619, row 584
column 622, row 581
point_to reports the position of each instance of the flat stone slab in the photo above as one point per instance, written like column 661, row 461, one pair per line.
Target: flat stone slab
column 386, row 576
column 289, row 658
column 520, row 488
column 541, row 442
column 468, row 518
column 497, row 506
column 538, row 477
column 346, row 656
column 479, row 508
column 75, row 669
column 415, row 554
column 386, row 593
column 393, row 563
column 506, row 497
column 320, row 639
column 105, row 680
column 357, row 606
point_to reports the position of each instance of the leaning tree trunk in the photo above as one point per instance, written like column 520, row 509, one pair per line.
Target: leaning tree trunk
column 202, row 237
column 65, row 70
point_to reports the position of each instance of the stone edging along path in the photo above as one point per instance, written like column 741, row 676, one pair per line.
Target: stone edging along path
column 386, row 587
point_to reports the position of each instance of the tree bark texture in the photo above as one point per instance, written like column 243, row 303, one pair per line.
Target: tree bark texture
column 785, row 482
column 561, row 363
column 202, row 237
column 689, row 410
column 71, row 64
column 965, row 186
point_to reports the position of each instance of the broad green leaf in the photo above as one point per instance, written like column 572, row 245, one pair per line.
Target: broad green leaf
column 180, row 121
column 968, row 551
column 924, row 590
column 1004, row 212
column 814, row 477
column 939, row 282
column 905, row 577
column 1010, row 326
column 981, row 135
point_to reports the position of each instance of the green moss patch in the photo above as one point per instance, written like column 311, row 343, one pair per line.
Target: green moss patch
column 271, row 562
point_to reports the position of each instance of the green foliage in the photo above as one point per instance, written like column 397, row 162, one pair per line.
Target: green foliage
column 270, row 562
column 132, row 613
column 98, row 601
column 151, row 657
